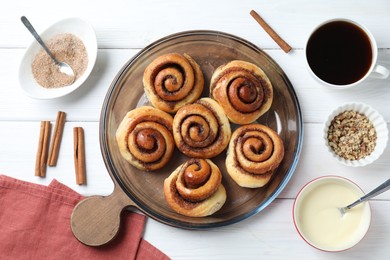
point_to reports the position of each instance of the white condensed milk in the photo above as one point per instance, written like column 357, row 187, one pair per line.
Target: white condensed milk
column 318, row 219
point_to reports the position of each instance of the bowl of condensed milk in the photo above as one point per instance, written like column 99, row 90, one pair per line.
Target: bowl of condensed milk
column 318, row 219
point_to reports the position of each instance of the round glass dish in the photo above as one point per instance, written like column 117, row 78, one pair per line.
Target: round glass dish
column 210, row 49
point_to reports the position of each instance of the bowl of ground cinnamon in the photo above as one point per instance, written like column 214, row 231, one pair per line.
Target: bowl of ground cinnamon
column 355, row 134
column 71, row 40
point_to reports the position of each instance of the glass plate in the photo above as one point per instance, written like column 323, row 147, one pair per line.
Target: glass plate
column 210, row 49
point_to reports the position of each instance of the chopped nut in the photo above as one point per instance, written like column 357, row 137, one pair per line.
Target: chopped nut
column 351, row 135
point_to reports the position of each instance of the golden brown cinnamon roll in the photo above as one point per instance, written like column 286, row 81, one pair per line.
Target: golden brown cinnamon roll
column 254, row 152
column 145, row 138
column 194, row 189
column 201, row 129
column 173, row 80
column 243, row 90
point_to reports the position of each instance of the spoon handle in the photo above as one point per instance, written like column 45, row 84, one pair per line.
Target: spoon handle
column 29, row 26
column 378, row 190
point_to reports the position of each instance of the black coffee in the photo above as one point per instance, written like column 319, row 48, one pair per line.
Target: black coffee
column 339, row 53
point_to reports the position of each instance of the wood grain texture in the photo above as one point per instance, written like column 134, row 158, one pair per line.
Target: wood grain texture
column 131, row 26
column 96, row 220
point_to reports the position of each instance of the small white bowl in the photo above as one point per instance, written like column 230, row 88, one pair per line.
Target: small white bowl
column 380, row 127
column 77, row 27
column 319, row 221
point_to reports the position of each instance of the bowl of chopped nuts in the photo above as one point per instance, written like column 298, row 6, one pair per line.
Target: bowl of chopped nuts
column 355, row 134
column 71, row 40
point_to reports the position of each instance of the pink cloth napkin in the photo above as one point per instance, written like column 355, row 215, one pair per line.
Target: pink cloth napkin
column 35, row 224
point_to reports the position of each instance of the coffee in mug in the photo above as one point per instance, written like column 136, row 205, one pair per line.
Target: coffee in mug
column 341, row 53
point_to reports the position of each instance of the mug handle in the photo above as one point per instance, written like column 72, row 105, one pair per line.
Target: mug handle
column 380, row 72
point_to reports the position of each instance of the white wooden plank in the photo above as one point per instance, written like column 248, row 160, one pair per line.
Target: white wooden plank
column 123, row 24
column 123, row 28
column 18, row 147
column 270, row 234
column 316, row 100
column 19, row 142
column 315, row 161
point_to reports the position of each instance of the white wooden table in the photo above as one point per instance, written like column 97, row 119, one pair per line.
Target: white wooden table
column 123, row 28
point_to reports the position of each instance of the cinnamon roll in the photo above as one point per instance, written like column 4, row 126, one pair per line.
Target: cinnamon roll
column 145, row 138
column 254, row 152
column 243, row 90
column 173, row 80
column 195, row 188
column 201, row 129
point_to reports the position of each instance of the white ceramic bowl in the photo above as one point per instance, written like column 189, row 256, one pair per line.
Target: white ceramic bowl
column 317, row 217
column 380, row 127
column 79, row 28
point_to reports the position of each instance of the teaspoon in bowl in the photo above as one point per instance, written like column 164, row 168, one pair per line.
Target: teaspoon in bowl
column 378, row 190
column 64, row 67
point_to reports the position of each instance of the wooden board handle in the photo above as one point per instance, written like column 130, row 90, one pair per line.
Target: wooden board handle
column 95, row 220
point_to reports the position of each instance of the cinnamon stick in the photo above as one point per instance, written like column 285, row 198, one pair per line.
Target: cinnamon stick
column 57, row 136
column 284, row 45
column 43, row 147
column 79, row 155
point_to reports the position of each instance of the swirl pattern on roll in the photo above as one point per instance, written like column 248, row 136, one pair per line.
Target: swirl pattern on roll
column 145, row 138
column 201, row 129
column 195, row 188
column 254, row 152
column 173, row 80
column 243, row 90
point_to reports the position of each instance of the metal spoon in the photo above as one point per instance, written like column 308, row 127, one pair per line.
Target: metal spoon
column 378, row 190
column 64, row 67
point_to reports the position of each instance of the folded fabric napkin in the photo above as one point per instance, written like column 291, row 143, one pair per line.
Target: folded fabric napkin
column 35, row 224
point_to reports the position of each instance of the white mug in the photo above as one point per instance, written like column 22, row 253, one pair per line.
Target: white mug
column 319, row 52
